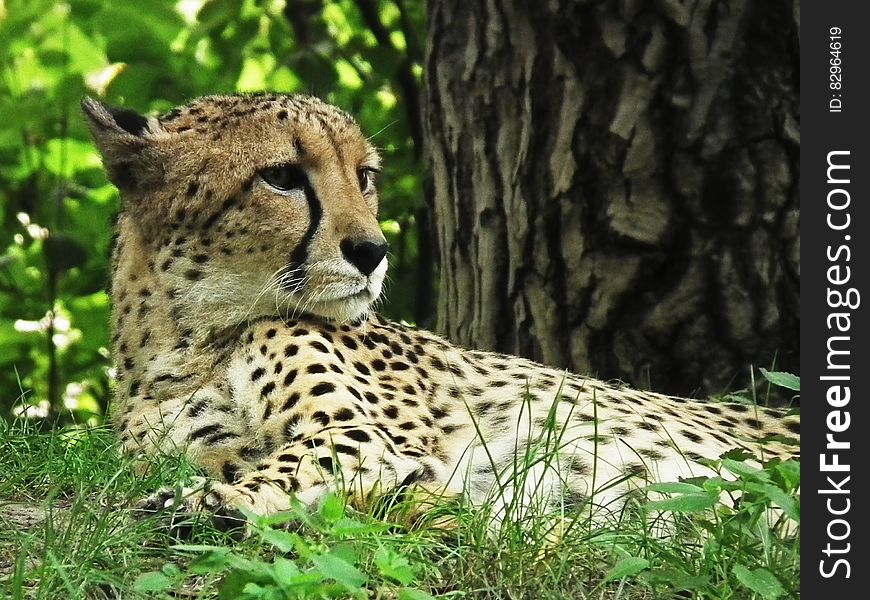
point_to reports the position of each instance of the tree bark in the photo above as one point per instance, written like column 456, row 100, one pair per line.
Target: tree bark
column 616, row 184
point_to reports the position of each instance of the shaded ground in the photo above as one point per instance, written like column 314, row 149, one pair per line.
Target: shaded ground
column 24, row 518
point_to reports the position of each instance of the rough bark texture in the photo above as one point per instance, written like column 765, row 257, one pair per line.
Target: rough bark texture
column 616, row 184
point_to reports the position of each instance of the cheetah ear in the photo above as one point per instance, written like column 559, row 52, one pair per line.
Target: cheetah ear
column 125, row 139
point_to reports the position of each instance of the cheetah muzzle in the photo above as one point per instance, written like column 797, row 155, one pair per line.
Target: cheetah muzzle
column 247, row 262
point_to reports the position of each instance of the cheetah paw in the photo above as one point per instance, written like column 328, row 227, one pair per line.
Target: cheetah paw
column 181, row 508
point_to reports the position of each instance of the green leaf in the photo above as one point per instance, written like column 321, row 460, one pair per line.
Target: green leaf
column 761, row 581
column 233, row 586
column 627, row 567
column 687, row 503
column 215, row 561
column 413, row 594
column 282, row 540
column 789, row 472
column 736, row 399
column 785, row 501
column 285, row 570
column 393, row 565
column 348, row 527
column 737, row 454
column 745, row 471
column 675, row 487
column 782, row 379
column 332, row 508
column 677, row 580
column 153, row 581
column 344, row 573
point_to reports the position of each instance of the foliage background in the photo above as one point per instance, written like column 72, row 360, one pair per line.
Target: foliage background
column 57, row 208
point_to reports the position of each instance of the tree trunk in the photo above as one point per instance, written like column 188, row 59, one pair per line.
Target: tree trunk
column 616, row 184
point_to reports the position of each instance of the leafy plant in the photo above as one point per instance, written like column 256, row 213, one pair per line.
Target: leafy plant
column 736, row 532
column 339, row 557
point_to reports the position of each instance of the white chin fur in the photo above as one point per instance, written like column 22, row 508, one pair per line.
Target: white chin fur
column 343, row 310
column 352, row 302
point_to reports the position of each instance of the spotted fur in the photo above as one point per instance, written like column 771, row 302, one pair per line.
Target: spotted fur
column 247, row 262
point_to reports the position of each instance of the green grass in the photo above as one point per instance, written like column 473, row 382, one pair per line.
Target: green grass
column 66, row 531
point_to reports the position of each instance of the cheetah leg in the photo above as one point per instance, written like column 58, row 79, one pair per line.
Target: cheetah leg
column 333, row 461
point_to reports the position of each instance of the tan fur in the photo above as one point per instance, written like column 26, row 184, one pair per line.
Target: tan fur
column 296, row 389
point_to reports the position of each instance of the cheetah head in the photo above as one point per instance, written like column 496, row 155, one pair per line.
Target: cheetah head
column 251, row 205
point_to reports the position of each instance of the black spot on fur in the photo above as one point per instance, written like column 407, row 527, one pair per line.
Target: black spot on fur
column 635, row 470
column 220, row 437
column 691, row 436
column 231, row 472
column 322, row 388
column 358, row 435
column 651, row 454
column 205, row 431
column 291, row 401
column 484, row 407
column 344, row 414
column 456, row 370
column 197, row 409
column 362, row 368
column 345, row 449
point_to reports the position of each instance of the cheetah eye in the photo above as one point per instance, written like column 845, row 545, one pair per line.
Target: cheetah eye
column 366, row 177
column 285, row 177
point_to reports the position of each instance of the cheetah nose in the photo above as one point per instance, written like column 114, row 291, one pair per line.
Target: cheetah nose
column 365, row 255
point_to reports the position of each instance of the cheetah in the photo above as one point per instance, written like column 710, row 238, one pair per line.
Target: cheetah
column 247, row 262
